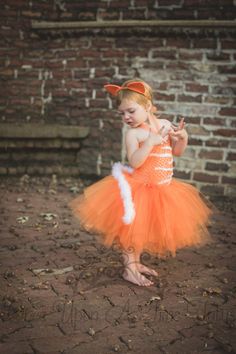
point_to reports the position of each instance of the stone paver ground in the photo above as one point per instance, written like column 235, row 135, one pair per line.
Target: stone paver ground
column 62, row 291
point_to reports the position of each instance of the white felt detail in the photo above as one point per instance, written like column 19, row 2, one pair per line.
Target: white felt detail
column 125, row 191
column 164, row 168
column 160, row 155
column 166, row 148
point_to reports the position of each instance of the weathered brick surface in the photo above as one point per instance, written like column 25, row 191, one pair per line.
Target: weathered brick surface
column 57, row 77
column 79, row 302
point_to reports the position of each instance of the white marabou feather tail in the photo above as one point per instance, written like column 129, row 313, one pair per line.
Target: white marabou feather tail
column 125, row 191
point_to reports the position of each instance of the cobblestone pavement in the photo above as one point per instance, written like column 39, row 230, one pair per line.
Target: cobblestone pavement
column 62, row 292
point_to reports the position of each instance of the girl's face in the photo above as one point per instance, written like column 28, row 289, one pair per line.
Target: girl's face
column 132, row 113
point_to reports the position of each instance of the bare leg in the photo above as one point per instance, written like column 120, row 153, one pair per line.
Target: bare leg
column 131, row 272
column 142, row 268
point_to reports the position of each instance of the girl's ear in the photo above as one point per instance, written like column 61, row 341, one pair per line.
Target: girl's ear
column 149, row 106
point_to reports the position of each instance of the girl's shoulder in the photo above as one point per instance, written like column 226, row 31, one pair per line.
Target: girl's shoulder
column 165, row 122
column 136, row 134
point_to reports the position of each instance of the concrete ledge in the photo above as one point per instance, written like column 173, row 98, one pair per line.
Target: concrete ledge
column 130, row 23
column 42, row 131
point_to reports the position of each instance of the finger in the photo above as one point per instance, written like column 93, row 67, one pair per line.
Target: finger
column 176, row 134
column 181, row 123
column 174, row 127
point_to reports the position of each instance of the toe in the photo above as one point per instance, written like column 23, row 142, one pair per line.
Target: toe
column 147, row 270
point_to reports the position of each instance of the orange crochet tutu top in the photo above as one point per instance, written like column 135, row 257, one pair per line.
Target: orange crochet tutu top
column 145, row 209
column 158, row 168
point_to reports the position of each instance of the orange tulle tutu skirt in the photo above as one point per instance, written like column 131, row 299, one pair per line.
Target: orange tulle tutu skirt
column 167, row 217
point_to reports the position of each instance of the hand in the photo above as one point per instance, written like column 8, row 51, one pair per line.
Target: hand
column 179, row 132
column 159, row 137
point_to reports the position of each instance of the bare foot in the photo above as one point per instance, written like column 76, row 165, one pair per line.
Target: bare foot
column 134, row 276
column 146, row 270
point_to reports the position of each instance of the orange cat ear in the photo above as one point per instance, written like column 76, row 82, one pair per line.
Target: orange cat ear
column 112, row 89
column 137, row 87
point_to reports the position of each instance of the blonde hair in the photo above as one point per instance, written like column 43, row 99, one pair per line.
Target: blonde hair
column 142, row 99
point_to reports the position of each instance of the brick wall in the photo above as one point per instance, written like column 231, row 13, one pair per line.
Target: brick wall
column 56, row 77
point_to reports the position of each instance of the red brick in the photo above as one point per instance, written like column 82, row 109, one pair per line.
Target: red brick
column 104, row 72
column 62, row 74
column 193, row 141
column 169, row 117
column 203, row 177
column 191, row 55
column 211, row 166
column 225, row 132
column 182, row 174
column 214, row 121
column 215, row 13
column 70, row 84
column 188, row 98
column 177, row 65
column 196, row 87
column 218, row 100
column 113, row 53
column 163, row 97
column 179, row 43
column 231, row 79
column 212, row 155
column 207, row 3
column 87, row 15
column 217, row 143
column 67, row 53
column 223, row 90
column 19, row 101
column 98, row 42
column 214, row 190
column 228, row 44
column 155, row 65
column 76, row 63
column 127, row 42
column 167, row 54
column 168, row 2
column 228, row 111
column 229, row 180
column 77, row 5
column 8, row 13
column 109, row 15
column 31, row 14
column 205, row 43
column 163, row 86
column 99, row 103
column 122, row 3
column 88, row 53
column 231, row 156
column 221, row 56
column 81, row 73
column 193, row 120
column 227, row 69
column 183, row 14
column 6, row 72
column 134, row 14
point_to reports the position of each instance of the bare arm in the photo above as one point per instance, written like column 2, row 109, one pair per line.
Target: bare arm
column 137, row 155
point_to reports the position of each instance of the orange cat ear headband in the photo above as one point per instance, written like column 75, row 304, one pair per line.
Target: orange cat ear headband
column 133, row 86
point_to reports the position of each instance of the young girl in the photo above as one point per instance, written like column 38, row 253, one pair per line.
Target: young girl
column 141, row 207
